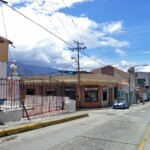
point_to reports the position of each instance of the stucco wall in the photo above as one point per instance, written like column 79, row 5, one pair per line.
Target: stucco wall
column 3, row 69
column 10, row 115
column 4, row 51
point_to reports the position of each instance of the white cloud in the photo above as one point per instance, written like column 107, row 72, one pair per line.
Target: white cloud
column 109, row 41
column 112, row 27
column 124, row 63
column 121, row 52
column 144, row 69
column 35, row 45
column 89, row 64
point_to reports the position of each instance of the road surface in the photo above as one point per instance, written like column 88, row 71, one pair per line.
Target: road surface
column 105, row 129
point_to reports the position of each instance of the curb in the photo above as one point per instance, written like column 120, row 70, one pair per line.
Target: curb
column 32, row 126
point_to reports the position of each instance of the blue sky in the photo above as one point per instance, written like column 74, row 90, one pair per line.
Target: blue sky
column 115, row 32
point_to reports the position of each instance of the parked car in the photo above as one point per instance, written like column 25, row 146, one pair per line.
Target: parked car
column 120, row 103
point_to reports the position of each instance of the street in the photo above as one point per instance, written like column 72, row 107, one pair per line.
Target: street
column 104, row 129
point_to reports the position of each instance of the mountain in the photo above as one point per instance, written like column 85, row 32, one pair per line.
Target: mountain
column 32, row 70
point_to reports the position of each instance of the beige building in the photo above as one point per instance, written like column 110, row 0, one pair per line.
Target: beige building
column 126, row 86
column 96, row 90
column 4, row 45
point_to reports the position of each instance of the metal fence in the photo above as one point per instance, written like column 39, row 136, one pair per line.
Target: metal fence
column 9, row 94
column 36, row 96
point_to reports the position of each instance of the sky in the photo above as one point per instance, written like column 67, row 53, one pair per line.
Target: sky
column 45, row 33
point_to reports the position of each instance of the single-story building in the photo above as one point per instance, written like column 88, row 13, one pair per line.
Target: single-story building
column 126, row 86
column 96, row 90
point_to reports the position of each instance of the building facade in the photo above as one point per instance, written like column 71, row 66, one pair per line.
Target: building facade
column 143, row 82
column 126, row 86
column 96, row 90
column 4, row 44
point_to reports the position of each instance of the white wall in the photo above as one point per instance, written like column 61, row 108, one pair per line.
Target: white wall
column 3, row 69
column 145, row 75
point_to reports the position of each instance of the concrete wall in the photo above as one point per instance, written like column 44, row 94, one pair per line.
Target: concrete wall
column 70, row 105
column 10, row 115
column 3, row 69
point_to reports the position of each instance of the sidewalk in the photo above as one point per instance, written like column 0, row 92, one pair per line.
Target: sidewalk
column 26, row 125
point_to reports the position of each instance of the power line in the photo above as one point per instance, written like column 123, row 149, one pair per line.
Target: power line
column 72, row 20
column 60, row 20
column 37, row 24
column 43, row 9
column 92, row 58
column 5, row 28
column 82, row 36
column 3, row 20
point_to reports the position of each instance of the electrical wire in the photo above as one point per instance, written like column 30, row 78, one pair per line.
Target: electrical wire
column 3, row 20
column 50, row 32
column 72, row 20
column 10, row 56
column 43, row 9
column 39, row 25
column 60, row 20
column 82, row 36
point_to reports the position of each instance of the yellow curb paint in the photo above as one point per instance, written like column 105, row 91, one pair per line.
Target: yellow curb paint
column 32, row 126
column 144, row 138
column 2, row 133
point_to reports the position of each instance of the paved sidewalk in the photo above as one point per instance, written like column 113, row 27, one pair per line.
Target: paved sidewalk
column 26, row 125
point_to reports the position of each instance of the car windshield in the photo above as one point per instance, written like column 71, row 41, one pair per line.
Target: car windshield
column 120, row 100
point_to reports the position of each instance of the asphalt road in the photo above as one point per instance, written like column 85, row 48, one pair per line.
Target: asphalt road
column 103, row 130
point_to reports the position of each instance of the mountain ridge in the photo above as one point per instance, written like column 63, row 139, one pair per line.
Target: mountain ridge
column 32, row 70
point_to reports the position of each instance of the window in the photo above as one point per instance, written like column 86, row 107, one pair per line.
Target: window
column 50, row 92
column 91, row 94
column 70, row 92
column 30, row 91
column 105, row 95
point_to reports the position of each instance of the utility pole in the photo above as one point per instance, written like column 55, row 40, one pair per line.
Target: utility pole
column 130, row 70
column 78, row 49
column 129, row 89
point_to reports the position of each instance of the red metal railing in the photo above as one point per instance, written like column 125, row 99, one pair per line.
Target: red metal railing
column 36, row 97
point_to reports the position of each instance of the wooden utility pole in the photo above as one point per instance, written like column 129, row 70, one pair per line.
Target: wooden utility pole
column 78, row 49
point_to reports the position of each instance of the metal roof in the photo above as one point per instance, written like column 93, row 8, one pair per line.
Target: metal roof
column 87, row 78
